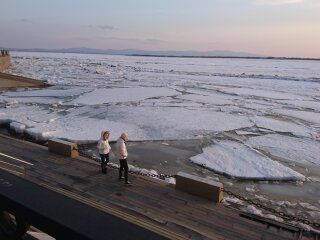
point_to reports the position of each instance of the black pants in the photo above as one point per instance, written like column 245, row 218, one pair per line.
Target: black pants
column 123, row 165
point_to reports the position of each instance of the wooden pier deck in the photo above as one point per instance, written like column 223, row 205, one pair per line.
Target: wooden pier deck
column 148, row 202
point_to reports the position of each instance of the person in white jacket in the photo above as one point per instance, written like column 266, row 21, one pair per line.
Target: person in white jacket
column 104, row 149
column 122, row 155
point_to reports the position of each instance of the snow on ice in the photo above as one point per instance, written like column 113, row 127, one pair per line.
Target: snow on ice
column 175, row 99
column 300, row 150
column 114, row 95
column 281, row 126
column 241, row 161
column 312, row 117
column 142, row 123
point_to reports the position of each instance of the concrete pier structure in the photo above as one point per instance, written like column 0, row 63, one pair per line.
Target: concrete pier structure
column 5, row 60
column 148, row 203
column 13, row 81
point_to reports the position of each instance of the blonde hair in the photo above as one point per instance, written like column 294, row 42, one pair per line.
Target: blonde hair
column 124, row 135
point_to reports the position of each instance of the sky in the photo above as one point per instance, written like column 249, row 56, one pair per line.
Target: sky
column 288, row 28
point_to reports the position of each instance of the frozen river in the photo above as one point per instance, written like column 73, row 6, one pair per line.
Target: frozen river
column 253, row 119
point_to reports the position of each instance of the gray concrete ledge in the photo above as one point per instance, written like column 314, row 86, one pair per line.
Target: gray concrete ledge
column 199, row 186
column 64, row 148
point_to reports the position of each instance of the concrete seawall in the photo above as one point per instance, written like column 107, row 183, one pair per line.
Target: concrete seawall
column 13, row 81
column 5, row 62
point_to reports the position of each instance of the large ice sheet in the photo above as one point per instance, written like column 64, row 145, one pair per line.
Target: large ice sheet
column 281, row 126
column 241, row 161
column 46, row 63
column 78, row 125
column 173, row 123
column 44, row 96
column 215, row 99
column 315, row 105
column 48, row 92
column 26, row 115
column 142, row 123
column 114, row 95
column 85, row 129
column 34, row 100
column 312, row 117
column 264, row 93
column 257, row 105
column 300, row 150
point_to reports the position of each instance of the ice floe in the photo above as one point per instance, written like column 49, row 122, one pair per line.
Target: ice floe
column 315, row 105
column 48, row 92
column 35, row 100
column 241, row 161
column 114, row 95
column 17, row 127
column 215, row 99
column 44, row 96
column 241, row 132
column 281, row 126
column 142, row 123
column 312, row 117
column 263, row 93
column 300, row 150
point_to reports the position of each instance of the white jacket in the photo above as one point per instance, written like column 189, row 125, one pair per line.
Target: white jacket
column 122, row 152
column 103, row 145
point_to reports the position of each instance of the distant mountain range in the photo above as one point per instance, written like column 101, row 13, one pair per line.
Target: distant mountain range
column 136, row 52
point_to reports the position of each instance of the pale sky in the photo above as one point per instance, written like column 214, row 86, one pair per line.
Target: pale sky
column 289, row 28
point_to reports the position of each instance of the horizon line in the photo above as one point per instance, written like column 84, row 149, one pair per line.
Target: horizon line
column 69, row 50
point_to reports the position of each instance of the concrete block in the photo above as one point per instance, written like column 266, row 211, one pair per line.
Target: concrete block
column 199, row 186
column 4, row 62
column 63, row 148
